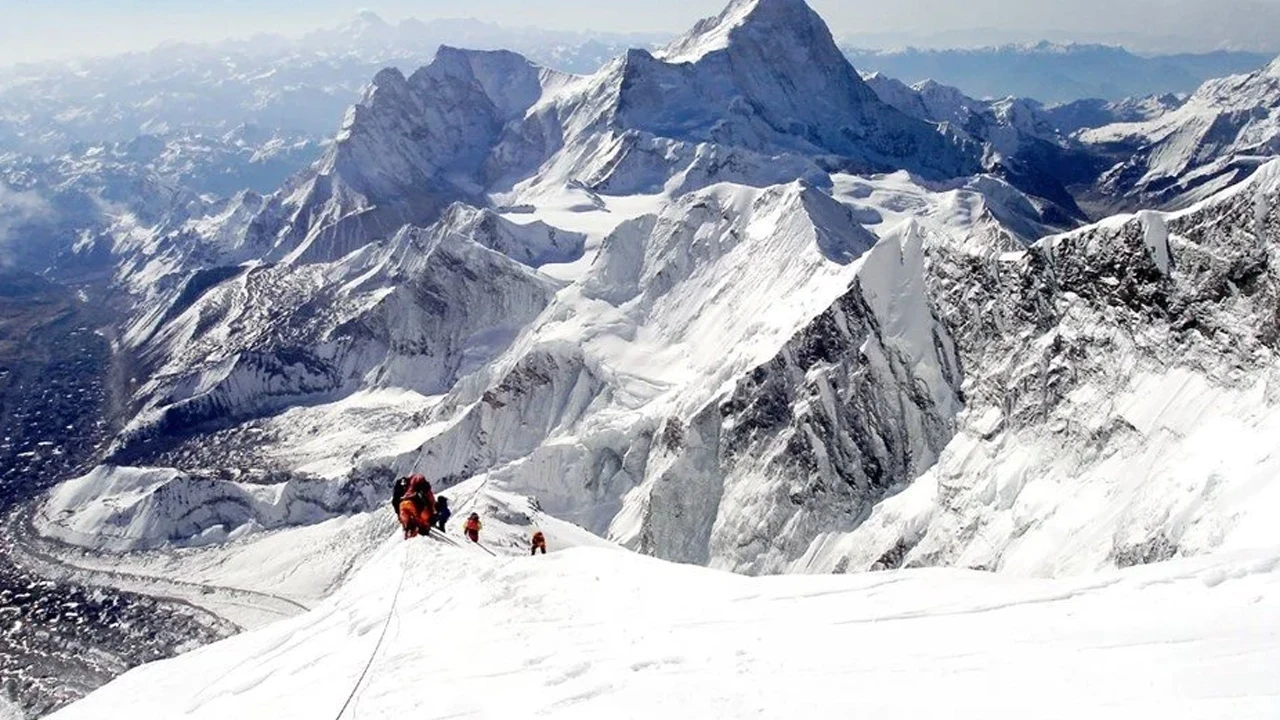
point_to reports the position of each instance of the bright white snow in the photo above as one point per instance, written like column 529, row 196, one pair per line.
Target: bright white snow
column 591, row 633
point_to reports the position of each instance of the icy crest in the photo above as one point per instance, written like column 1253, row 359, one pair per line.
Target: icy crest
column 774, row 21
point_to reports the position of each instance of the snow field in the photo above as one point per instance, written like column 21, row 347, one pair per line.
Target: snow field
column 604, row 633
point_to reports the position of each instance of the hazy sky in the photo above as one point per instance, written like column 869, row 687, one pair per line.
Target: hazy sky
column 35, row 29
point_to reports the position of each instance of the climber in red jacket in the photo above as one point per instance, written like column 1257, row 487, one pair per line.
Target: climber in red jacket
column 472, row 528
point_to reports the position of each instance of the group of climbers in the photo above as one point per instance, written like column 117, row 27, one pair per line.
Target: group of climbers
column 420, row 510
column 413, row 499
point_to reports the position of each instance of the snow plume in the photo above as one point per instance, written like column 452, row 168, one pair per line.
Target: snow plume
column 18, row 209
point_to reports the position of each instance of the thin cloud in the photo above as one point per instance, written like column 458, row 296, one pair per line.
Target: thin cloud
column 19, row 210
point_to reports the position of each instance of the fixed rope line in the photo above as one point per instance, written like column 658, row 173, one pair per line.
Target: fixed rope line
column 395, row 598
column 472, row 497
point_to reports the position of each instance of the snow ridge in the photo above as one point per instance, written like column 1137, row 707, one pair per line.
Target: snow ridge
column 1113, row 412
column 744, row 17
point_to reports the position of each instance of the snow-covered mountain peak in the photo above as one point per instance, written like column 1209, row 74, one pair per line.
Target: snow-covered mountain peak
column 410, row 148
column 746, row 21
column 366, row 29
column 533, row 244
column 767, row 77
column 388, row 81
column 510, row 81
column 777, row 101
column 937, row 92
column 1274, row 68
column 369, row 19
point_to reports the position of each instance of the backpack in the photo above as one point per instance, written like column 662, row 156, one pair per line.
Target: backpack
column 417, row 487
column 420, row 492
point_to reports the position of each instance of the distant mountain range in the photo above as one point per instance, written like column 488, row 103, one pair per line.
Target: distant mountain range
column 1054, row 73
column 287, row 86
column 299, row 88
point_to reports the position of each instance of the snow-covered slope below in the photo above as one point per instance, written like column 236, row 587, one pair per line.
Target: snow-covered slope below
column 600, row 633
column 265, row 569
column 1216, row 138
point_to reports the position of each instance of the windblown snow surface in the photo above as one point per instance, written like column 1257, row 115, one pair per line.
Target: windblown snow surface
column 592, row 633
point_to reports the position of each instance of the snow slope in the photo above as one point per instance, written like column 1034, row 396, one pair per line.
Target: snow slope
column 603, row 633
column 264, row 570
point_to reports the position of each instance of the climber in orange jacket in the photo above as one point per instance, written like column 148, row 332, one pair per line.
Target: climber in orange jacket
column 472, row 528
column 417, row 507
column 539, row 543
column 409, row 517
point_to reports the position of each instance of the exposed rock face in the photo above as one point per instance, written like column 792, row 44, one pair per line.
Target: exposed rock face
column 1117, row 382
column 859, row 402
